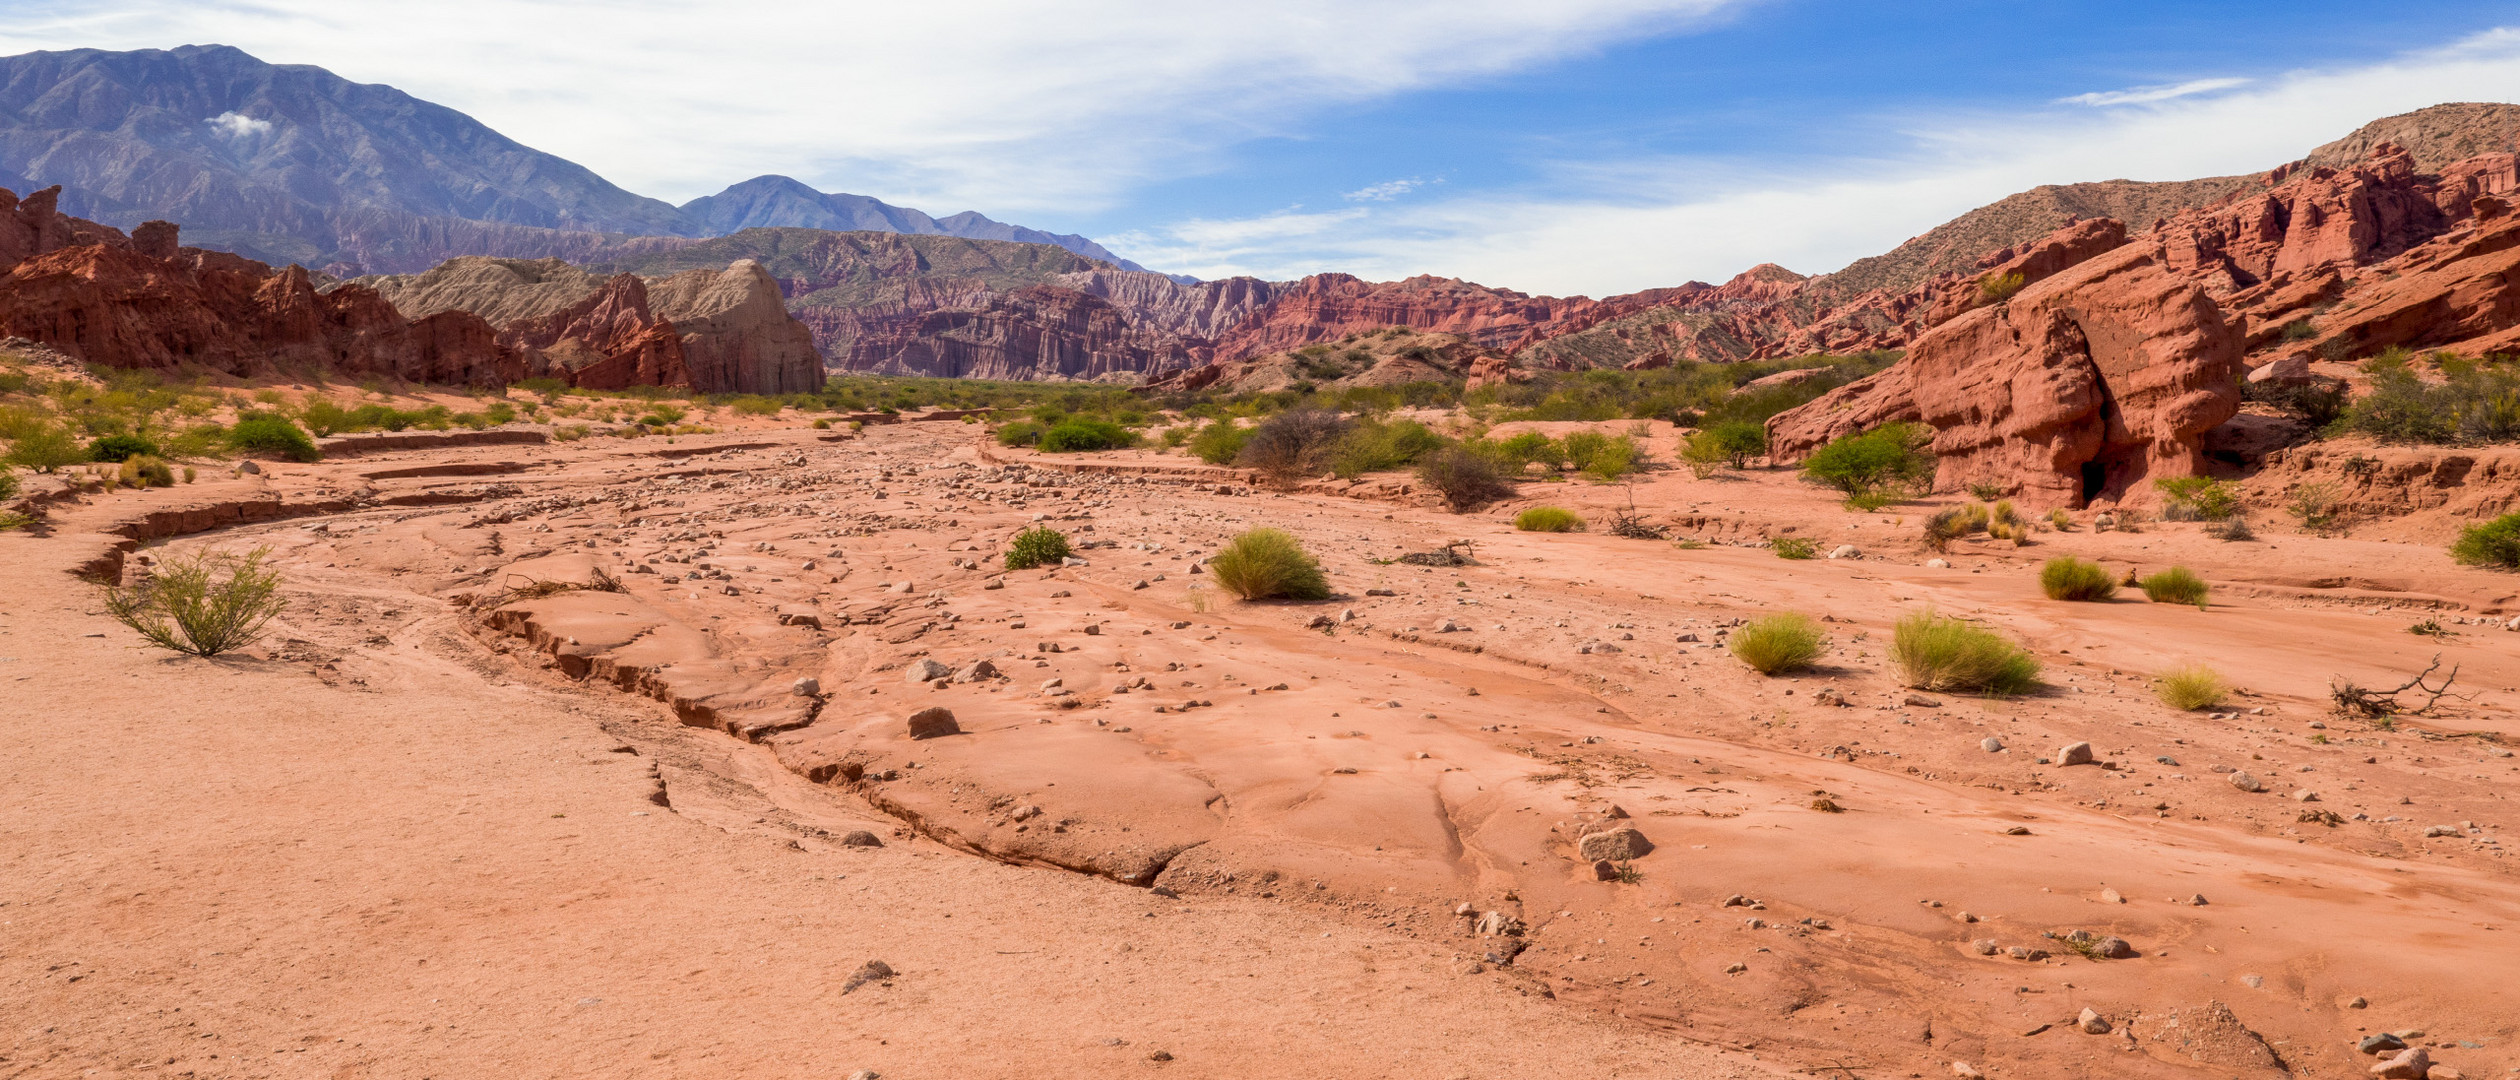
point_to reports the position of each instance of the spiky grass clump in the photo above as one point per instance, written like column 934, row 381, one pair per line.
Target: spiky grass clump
column 2177, row 585
column 1936, row 653
column 1952, row 523
column 1548, row 519
column 2191, row 686
column 1033, row 547
column 1267, row 564
column 1794, row 547
column 203, row 604
column 2003, row 522
column 1776, row 643
column 2069, row 578
column 145, row 471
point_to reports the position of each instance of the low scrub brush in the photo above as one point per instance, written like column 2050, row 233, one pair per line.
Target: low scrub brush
column 2177, row 585
column 203, row 604
column 1265, row 564
column 2191, row 686
column 1548, row 519
column 1953, row 523
column 1937, row 653
column 1041, row 546
column 2070, row 578
column 1777, row 643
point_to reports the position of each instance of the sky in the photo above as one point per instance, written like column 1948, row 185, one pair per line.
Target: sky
column 1573, row 146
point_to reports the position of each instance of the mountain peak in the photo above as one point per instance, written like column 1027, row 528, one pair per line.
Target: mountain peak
column 778, row 201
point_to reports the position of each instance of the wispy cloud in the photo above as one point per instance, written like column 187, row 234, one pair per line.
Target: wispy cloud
column 1059, row 106
column 237, row 125
column 2145, row 95
column 1639, row 224
column 1386, row 191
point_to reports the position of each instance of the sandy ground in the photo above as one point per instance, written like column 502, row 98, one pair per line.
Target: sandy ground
column 425, row 831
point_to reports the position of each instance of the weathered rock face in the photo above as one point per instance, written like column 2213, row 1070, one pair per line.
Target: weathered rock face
column 88, row 291
column 1327, row 307
column 2081, row 387
column 608, row 340
column 2320, row 217
column 737, row 335
column 1039, row 332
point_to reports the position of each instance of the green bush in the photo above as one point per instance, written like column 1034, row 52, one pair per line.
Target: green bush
column 1731, row 443
column 1614, row 458
column 1580, row 446
column 203, row 604
column 1073, row 435
column 8, row 483
column 2495, row 543
column 1220, row 442
column 2196, row 498
column 118, row 448
column 145, row 471
column 1375, row 446
column 1268, row 563
column 264, row 433
column 1887, row 460
column 1527, row 447
column 1037, row 546
column 1775, row 643
column 1952, row 523
column 756, row 405
column 1997, row 288
column 1465, row 478
column 2192, row 686
column 1794, row 547
column 45, row 447
column 2069, row 578
column 2003, row 522
column 1020, row 433
column 1293, row 444
column 1548, row 519
column 2472, row 403
column 1936, row 653
column 2177, row 585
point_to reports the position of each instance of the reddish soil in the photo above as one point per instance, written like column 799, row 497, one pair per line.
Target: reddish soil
column 420, row 831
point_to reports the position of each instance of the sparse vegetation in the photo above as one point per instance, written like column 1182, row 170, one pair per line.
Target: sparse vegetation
column 145, row 471
column 2069, row 578
column 1220, row 442
column 2234, row 527
column 1998, row 288
column 2176, row 585
column 1782, row 642
column 2060, row 520
column 1875, row 465
column 114, row 449
column 2495, row 543
column 1074, row 435
column 204, row 603
column 1264, row 564
column 1952, row 523
column 1794, row 547
column 1937, row 653
column 1548, row 519
column 2191, row 687
column 2197, row 498
column 1020, row 433
column 2003, row 522
column 1464, row 478
column 1037, row 546
column 1294, row 444
column 2474, row 402
column 1986, row 493
column 2314, row 505
column 1728, row 444
column 272, row 434
column 1377, row 445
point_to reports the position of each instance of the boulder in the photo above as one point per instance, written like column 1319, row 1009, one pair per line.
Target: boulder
column 2078, row 753
column 2292, row 370
column 976, row 671
column 1614, row 845
column 933, row 722
column 2412, row 1063
column 926, row 671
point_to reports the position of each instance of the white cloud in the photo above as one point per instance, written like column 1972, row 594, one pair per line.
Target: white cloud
column 1385, row 191
column 1628, row 225
column 2145, row 95
column 236, row 125
column 1004, row 105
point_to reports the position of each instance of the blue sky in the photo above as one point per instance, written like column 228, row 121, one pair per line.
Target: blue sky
column 1589, row 146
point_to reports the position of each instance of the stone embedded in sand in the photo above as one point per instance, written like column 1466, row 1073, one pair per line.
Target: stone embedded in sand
column 2381, row 1043
column 1605, row 870
column 873, row 971
column 1922, row 702
column 2246, row 782
column 1991, row 744
column 2412, row 1063
column 2078, row 753
column 927, row 671
column 861, row 838
column 1614, row 844
column 1965, row 1071
column 2114, row 948
column 976, row 671
column 807, row 687
column 932, row 722
column 2092, row 1022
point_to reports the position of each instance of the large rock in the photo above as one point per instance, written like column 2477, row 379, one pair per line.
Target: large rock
column 2082, row 386
column 737, row 335
column 1614, row 844
column 933, row 722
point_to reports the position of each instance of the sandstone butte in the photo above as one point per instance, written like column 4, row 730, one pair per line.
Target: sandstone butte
column 144, row 301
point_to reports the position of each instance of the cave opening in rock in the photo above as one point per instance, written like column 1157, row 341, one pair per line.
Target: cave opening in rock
column 2095, row 476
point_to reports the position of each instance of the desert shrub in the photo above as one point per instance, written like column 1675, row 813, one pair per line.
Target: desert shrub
column 2299, row 330
column 2196, row 498
column 1268, row 563
column 1548, row 519
column 756, row 405
column 265, row 433
column 1937, row 653
column 203, row 604
column 1293, row 444
column 1019, row 433
column 2069, row 578
column 1997, row 288
column 1884, row 461
column 117, row 448
column 1527, row 447
column 2495, row 543
column 660, row 414
column 1731, row 443
column 1986, row 493
column 145, row 471
column 1375, row 446
column 2003, row 522
column 1952, row 523
column 1073, row 435
column 1782, row 642
column 2060, row 521
column 1464, row 478
column 8, row 484
column 2191, row 686
column 2177, row 585
column 1614, row 458
column 1580, row 446
column 1793, row 547
column 1220, row 442
column 1178, row 434
column 2472, row 403
column 44, row 446
column 1037, row 546
column 2234, row 527
column 2318, row 402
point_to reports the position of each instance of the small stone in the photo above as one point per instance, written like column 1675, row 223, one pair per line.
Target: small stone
column 2412, row 1063
column 1605, row 870
column 1938, row 564
column 1615, row 844
column 2305, row 795
column 2246, row 782
column 976, row 671
column 1845, row 551
column 1991, row 744
column 2092, row 1023
column 2074, row 754
column 1093, row 629
column 2382, row 1043
column 930, row 723
column 873, row 971
column 861, row 838
column 2114, row 948
column 2358, row 1003
column 866, row 1074
column 2111, row 896
column 928, row 671
column 807, row 687
column 1986, row 946
column 1159, row 1055
column 1922, row 702
column 1736, row 969
column 2197, row 900
column 2018, row 830
column 1965, row 1071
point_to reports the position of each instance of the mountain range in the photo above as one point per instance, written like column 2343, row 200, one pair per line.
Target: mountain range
column 292, row 163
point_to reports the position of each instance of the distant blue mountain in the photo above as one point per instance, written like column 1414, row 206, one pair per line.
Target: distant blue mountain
column 779, row 201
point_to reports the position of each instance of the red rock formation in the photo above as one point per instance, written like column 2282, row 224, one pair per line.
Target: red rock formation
column 737, row 335
column 1030, row 333
column 105, row 299
column 607, row 341
column 1327, row 307
column 2080, row 387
